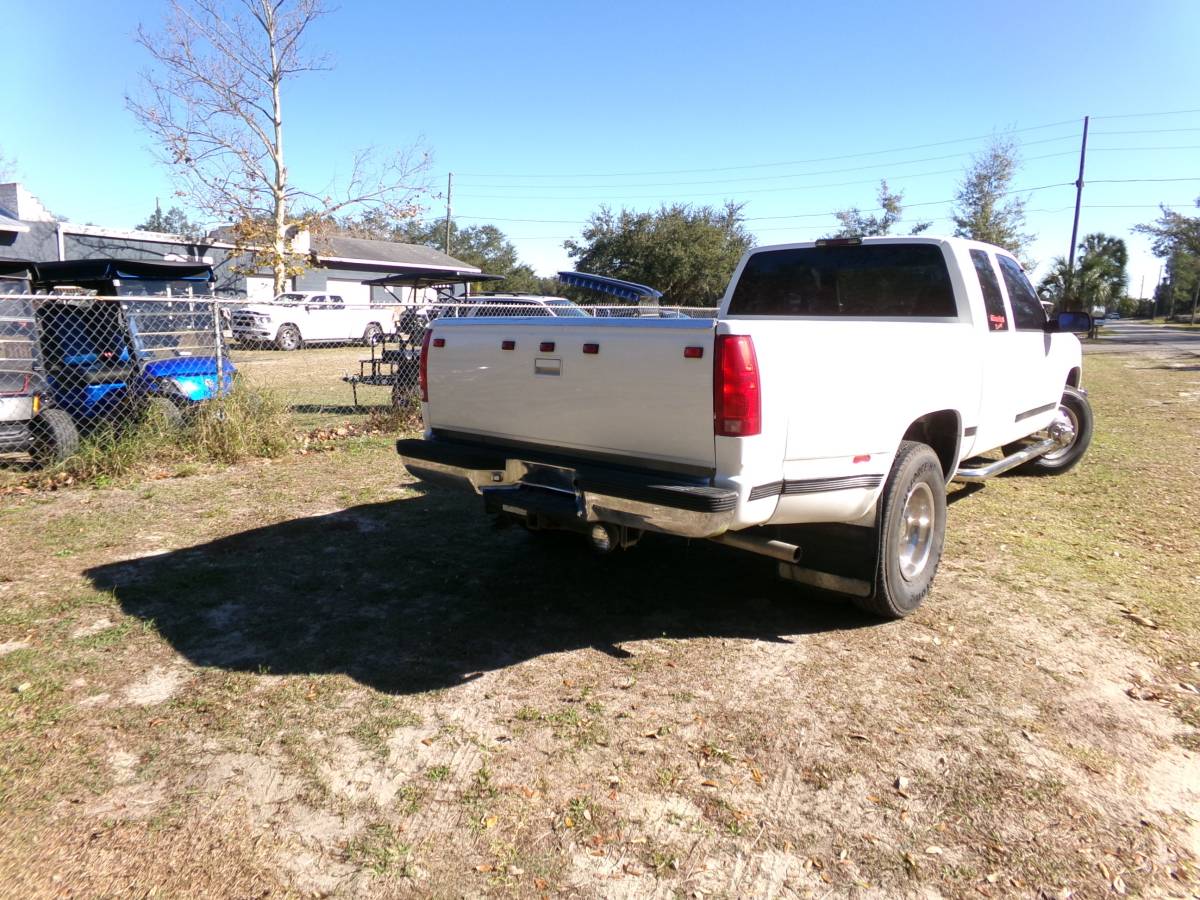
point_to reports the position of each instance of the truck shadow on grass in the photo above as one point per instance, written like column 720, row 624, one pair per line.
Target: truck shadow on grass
column 422, row 593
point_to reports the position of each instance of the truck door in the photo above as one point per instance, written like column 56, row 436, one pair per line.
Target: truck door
column 1033, row 381
column 999, row 397
column 319, row 319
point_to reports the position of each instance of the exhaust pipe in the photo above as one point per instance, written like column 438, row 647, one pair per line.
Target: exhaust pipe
column 780, row 550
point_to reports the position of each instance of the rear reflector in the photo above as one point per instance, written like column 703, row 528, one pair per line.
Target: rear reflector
column 439, row 342
column 693, row 352
column 591, row 348
column 425, row 366
column 862, row 458
column 546, row 346
column 508, row 345
column 737, row 401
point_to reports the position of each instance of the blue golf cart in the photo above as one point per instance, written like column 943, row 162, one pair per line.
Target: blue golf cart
column 130, row 335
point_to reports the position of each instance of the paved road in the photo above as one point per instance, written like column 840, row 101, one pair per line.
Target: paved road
column 1129, row 337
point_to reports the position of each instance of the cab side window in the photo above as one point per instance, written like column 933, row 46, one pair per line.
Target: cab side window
column 993, row 301
column 1028, row 314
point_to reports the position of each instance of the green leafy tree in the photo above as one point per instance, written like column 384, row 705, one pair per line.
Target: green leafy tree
column 855, row 224
column 686, row 252
column 1176, row 238
column 173, row 221
column 1099, row 278
column 985, row 208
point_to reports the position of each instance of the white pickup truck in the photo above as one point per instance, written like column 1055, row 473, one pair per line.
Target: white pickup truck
column 816, row 420
column 297, row 318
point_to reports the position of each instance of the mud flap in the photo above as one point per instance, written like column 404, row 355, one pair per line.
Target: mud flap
column 843, row 559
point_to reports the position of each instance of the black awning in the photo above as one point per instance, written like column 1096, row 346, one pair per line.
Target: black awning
column 84, row 271
column 423, row 278
column 16, row 268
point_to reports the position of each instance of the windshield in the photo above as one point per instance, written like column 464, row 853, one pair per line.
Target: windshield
column 565, row 308
column 14, row 285
column 154, row 287
column 16, row 333
column 167, row 328
column 294, row 298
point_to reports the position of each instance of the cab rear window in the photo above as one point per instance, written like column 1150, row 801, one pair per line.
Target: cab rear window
column 868, row 281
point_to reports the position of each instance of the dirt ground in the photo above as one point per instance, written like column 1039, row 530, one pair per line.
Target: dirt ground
column 310, row 677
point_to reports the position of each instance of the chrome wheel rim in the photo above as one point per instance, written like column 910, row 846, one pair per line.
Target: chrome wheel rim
column 1067, row 417
column 917, row 521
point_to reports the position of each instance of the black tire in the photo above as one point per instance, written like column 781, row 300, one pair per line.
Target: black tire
column 164, row 412
column 1075, row 408
column 288, row 338
column 55, row 437
column 373, row 335
column 913, row 526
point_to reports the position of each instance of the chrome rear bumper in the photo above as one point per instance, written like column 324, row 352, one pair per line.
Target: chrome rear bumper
column 586, row 492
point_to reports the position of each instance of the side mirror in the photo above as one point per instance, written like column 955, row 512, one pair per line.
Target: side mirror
column 1070, row 322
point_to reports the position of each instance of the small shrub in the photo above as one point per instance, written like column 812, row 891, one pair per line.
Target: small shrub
column 242, row 424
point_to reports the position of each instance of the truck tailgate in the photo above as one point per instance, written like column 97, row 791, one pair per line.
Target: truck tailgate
column 617, row 387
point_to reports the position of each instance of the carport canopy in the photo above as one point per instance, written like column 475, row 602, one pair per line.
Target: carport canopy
column 84, row 271
column 432, row 278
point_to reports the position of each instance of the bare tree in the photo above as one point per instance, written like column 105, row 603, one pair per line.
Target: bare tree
column 214, row 103
column 8, row 167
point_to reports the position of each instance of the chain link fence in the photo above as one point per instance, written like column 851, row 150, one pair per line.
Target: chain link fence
column 72, row 365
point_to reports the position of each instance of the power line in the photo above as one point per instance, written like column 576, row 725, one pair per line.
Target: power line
column 1175, row 112
column 794, row 162
column 642, row 184
column 770, row 190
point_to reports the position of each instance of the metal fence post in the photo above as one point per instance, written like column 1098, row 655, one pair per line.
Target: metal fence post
column 218, row 334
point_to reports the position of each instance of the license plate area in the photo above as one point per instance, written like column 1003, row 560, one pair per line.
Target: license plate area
column 552, row 478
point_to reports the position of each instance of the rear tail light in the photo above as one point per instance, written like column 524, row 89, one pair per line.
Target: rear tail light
column 425, row 342
column 22, row 390
column 737, row 400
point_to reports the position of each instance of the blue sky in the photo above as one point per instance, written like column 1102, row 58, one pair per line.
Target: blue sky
column 544, row 111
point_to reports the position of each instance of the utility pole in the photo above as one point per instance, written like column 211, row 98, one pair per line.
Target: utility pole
column 1195, row 296
column 1078, row 202
column 449, row 198
column 1157, row 288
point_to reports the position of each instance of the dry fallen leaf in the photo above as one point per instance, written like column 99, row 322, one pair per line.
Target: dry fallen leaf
column 1142, row 693
column 756, row 775
column 485, row 867
column 490, row 821
column 708, row 782
column 934, row 851
column 516, row 871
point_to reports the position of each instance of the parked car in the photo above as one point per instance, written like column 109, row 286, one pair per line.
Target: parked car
column 1113, row 315
column 488, row 304
column 297, row 318
column 816, row 421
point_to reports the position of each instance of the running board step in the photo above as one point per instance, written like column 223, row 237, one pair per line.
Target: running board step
column 974, row 474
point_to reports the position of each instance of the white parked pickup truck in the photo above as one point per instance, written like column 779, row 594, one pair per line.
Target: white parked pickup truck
column 297, row 318
column 816, row 420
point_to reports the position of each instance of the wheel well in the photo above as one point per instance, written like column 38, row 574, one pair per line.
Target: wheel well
column 942, row 431
column 1073, row 377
